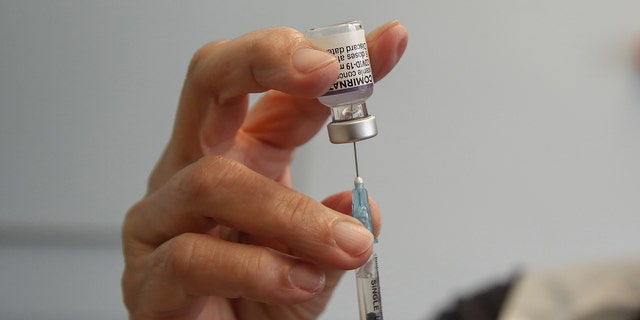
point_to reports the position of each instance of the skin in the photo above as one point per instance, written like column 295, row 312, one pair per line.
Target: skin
column 220, row 233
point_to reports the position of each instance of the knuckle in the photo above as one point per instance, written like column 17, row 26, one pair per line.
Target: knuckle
column 208, row 178
column 182, row 259
column 201, row 55
column 189, row 186
column 178, row 257
column 133, row 243
column 128, row 226
column 256, row 274
column 196, row 181
column 297, row 212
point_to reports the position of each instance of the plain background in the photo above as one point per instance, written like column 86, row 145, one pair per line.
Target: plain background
column 509, row 140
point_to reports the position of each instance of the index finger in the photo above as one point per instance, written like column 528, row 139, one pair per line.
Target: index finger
column 277, row 58
column 214, row 97
column 217, row 190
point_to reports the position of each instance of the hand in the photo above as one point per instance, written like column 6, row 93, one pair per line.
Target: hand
column 220, row 234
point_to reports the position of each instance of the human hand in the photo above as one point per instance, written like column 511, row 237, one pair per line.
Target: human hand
column 220, row 234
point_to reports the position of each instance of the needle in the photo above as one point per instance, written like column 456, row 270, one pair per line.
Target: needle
column 355, row 155
column 367, row 278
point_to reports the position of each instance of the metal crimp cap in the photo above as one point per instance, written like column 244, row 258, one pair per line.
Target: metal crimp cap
column 352, row 130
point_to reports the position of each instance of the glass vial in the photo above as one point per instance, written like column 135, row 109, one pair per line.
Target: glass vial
column 350, row 120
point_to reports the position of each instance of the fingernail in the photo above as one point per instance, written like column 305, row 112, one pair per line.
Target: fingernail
column 306, row 277
column 352, row 238
column 307, row 60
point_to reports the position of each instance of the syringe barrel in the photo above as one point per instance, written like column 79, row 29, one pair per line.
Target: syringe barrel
column 369, row 295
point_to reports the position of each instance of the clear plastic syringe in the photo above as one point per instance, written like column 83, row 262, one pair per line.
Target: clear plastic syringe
column 367, row 279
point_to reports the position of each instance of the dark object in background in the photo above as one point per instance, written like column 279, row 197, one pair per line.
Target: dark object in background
column 487, row 304
column 483, row 305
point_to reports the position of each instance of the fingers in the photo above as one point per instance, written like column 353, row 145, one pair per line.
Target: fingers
column 342, row 202
column 199, row 265
column 214, row 100
column 174, row 239
column 191, row 266
column 386, row 46
column 282, row 122
column 285, row 122
column 281, row 59
column 218, row 191
column 277, row 58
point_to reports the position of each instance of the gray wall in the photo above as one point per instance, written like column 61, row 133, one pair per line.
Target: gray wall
column 509, row 139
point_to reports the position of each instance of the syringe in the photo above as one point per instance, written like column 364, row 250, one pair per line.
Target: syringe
column 367, row 279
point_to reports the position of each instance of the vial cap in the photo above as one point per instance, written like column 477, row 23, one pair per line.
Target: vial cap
column 352, row 130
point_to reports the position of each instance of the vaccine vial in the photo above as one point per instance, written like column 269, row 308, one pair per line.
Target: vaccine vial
column 350, row 120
